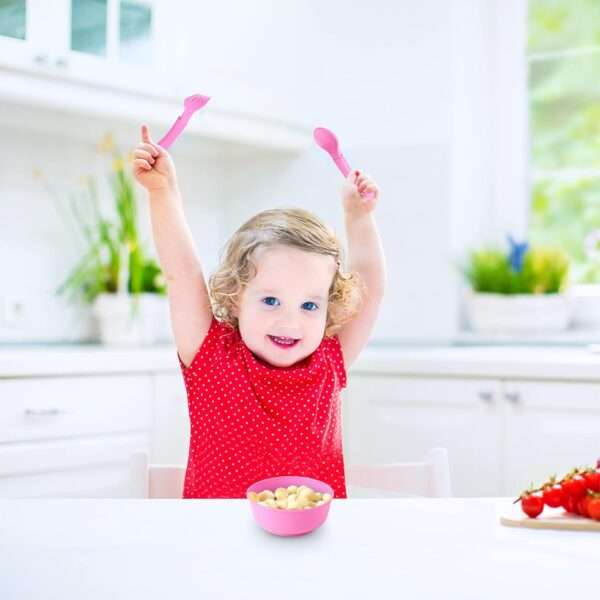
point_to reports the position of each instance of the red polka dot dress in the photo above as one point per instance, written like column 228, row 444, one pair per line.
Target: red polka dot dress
column 250, row 420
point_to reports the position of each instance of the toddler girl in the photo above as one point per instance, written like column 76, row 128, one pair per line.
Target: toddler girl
column 264, row 348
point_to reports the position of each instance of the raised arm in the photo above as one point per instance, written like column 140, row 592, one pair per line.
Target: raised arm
column 366, row 258
column 186, row 287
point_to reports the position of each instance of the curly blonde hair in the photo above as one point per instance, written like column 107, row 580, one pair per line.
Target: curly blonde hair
column 292, row 227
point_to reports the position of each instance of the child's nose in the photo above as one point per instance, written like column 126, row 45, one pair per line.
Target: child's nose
column 289, row 323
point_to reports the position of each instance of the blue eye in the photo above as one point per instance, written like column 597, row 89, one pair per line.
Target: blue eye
column 270, row 301
column 309, row 306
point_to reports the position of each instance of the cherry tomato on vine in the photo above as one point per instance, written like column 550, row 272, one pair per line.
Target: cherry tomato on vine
column 592, row 480
column 574, row 486
column 532, row 504
column 593, row 507
column 582, row 506
column 552, row 495
column 568, row 503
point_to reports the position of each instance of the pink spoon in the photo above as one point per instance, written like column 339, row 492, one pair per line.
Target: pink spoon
column 327, row 140
column 190, row 105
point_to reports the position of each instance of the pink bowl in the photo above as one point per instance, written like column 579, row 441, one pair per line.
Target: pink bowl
column 289, row 522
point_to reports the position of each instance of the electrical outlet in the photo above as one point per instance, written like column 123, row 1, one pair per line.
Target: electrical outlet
column 14, row 310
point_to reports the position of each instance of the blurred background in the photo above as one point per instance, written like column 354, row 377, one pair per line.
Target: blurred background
column 479, row 119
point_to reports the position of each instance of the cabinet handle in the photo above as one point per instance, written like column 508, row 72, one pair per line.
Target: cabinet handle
column 40, row 59
column 61, row 63
column 43, row 412
column 513, row 397
column 486, row 396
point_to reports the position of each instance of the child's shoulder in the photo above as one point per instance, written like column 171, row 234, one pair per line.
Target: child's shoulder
column 332, row 349
column 220, row 337
column 222, row 331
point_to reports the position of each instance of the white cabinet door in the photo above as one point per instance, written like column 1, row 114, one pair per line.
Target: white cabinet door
column 551, row 427
column 68, row 407
column 41, row 46
column 398, row 419
column 171, row 437
column 106, row 43
column 72, row 436
column 96, row 467
column 111, row 44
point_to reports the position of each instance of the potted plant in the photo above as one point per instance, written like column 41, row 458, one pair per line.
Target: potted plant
column 124, row 286
column 519, row 291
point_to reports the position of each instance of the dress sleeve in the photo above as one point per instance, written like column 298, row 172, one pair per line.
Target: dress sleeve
column 208, row 343
column 336, row 355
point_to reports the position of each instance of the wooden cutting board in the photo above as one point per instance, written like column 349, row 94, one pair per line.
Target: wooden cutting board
column 551, row 518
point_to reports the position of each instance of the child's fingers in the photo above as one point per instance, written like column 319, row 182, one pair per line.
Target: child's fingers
column 150, row 148
column 140, row 163
column 143, row 154
column 146, row 135
column 362, row 178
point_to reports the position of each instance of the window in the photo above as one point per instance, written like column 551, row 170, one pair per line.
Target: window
column 564, row 113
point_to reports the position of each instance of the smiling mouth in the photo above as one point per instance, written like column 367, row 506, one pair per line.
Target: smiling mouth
column 283, row 342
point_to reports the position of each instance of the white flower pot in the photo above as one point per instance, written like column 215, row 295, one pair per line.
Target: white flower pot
column 585, row 305
column 518, row 313
column 130, row 320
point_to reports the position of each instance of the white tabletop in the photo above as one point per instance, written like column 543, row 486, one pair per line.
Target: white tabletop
column 169, row 549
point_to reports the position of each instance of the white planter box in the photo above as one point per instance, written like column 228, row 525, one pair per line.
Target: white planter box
column 518, row 313
column 585, row 306
column 127, row 320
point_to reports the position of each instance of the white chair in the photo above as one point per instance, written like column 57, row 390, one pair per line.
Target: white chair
column 155, row 481
column 430, row 478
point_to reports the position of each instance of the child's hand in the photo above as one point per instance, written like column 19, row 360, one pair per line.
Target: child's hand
column 354, row 185
column 152, row 165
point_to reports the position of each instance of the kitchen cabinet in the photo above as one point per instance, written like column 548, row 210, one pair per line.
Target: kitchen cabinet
column 398, row 419
column 76, row 65
column 549, row 429
column 500, row 434
column 72, row 436
column 109, row 43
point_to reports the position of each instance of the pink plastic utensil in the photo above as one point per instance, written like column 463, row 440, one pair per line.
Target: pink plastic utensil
column 190, row 105
column 327, row 140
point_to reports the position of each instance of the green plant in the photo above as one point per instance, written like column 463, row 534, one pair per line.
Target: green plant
column 114, row 259
column 539, row 271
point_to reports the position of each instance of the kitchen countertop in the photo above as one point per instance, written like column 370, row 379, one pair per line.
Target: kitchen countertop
column 84, row 359
column 528, row 362
column 533, row 362
column 372, row 548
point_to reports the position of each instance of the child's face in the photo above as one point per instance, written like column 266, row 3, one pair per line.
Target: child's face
column 283, row 310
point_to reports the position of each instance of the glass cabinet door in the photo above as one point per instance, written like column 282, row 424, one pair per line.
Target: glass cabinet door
column 110, row 40
column 120, row 30
column 135, row 32
column 13, row 19
column 89, row 26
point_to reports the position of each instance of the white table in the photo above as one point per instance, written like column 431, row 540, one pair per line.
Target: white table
column 201, row 549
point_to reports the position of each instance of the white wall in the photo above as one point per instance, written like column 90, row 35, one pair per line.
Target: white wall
column 381, row 78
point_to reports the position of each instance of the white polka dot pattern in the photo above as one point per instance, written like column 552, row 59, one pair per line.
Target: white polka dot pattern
column 250, row 420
